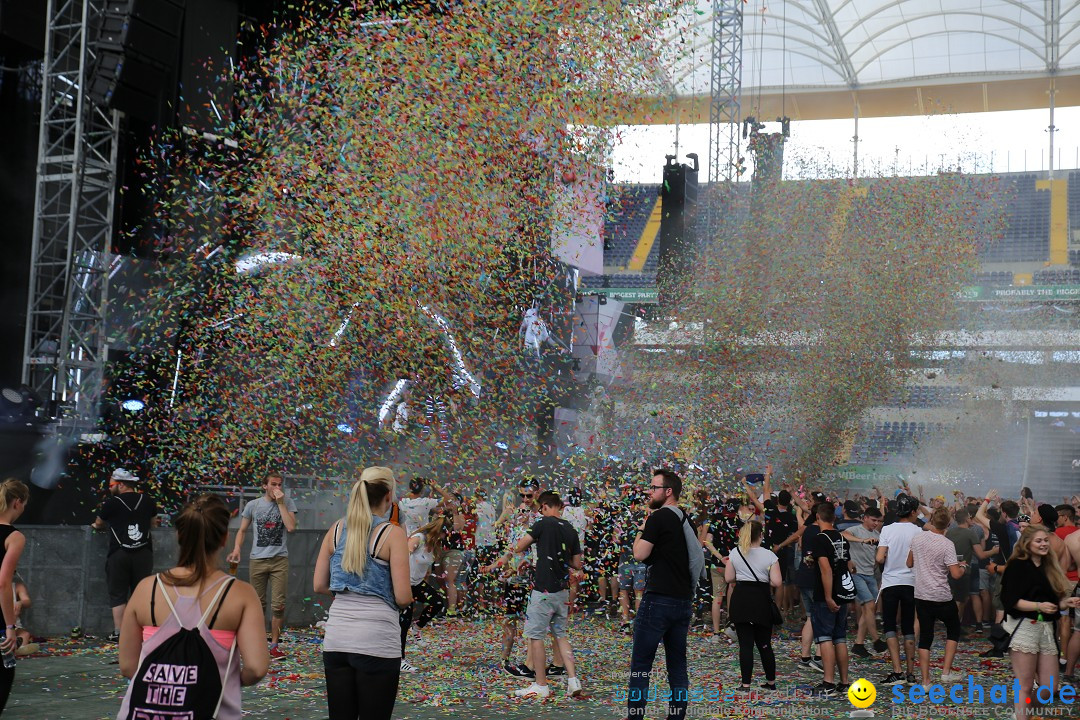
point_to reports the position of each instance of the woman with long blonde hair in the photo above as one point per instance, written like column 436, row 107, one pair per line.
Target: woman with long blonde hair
column 1034, row 593
column 364, row 563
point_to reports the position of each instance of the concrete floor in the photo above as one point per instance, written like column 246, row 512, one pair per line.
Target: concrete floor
column 461, row 679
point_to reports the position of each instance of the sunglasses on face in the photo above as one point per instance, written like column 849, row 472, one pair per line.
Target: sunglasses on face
column 527, row 496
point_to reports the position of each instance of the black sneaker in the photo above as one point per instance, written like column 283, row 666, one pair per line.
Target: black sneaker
column 769, row 686
column 912, row 680
column 824, row 690
column 992, row 653
column 860, row 651
column 112, row 637
column 521, row 670
column 893, row 679
column 842, row 688
column 628, row 628
column 554, row 669
column 977, row 627
column 880, row 646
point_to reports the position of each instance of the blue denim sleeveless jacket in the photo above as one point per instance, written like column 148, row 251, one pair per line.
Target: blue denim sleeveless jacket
column 376, row 578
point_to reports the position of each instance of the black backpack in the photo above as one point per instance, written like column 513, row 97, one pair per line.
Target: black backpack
column 179, row 679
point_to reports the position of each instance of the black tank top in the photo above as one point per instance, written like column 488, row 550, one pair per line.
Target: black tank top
column 5, row 532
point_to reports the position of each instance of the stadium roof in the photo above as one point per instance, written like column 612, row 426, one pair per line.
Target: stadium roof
column 816, row 59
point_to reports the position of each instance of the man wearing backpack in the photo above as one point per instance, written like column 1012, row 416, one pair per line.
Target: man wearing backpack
column 834, row 589
column 129, row 515
column 664, row 544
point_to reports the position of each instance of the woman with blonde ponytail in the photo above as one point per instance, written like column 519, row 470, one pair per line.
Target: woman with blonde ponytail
column 754, row 571
column 364, row 563
column 13, row 497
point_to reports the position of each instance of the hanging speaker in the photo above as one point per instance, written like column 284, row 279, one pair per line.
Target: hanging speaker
column 136, row 48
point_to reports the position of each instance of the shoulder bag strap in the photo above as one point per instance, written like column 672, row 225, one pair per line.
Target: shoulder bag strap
column 225, row 678
column 747, row 563
column 168, row 600
column 153, row 592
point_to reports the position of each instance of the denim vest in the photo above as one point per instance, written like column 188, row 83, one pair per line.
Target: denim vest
column 376, row 578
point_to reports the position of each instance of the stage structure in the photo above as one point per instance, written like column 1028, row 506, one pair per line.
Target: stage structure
column 725, row 90
column 65, row 350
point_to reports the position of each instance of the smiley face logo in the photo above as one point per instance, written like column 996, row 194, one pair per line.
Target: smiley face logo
column 862, row 693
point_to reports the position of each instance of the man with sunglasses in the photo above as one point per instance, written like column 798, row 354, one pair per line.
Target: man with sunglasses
column 667, row 605
column 129, row 515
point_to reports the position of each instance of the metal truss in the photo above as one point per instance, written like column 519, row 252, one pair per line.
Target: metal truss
column 725, row 90
column 65, row 350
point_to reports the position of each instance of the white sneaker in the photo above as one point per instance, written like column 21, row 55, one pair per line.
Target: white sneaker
column 415, row 638
column 953, row 677
column 408, row 667
column 534, row 690
column 730, row 632
column 573, row 687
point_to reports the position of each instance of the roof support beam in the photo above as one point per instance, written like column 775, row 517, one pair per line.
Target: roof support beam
column 837, row 42
column 980, row 94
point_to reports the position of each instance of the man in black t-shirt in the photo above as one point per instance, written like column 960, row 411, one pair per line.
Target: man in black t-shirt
column 780, row 528
column 558, row 549
column 720, row 540
column 834, row 589
column 667, row 606
column 129, row 515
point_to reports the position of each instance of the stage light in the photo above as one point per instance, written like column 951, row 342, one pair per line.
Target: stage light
column 133, row 405
column 253, row 263
column 347, row 429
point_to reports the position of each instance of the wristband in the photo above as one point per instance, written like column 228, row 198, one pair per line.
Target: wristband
column 12, row 627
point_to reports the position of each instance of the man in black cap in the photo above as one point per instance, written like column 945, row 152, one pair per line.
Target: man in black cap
column 129, row 515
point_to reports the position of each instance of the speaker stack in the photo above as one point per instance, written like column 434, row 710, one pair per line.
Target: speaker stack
column 136, row 56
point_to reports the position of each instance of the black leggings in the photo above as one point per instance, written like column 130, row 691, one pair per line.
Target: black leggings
column 900, row 597
column 929, row 611
column 760, row 635
column 433, row 606
column 433, row 601
column 7, row 678
column 360, row 686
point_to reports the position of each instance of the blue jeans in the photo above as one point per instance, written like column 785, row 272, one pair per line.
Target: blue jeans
column 660, row 619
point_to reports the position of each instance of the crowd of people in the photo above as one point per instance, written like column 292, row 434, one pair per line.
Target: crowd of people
column 639, row 552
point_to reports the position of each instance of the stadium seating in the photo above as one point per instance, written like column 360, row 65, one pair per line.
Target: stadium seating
column 628, row 211
column 928, row 396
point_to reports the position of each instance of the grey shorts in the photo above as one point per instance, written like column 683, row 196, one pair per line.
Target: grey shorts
column 866, row 588
column 547, row 613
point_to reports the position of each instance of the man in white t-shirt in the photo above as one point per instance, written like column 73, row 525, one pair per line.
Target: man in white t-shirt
column 416, row 509
column 898, row 587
